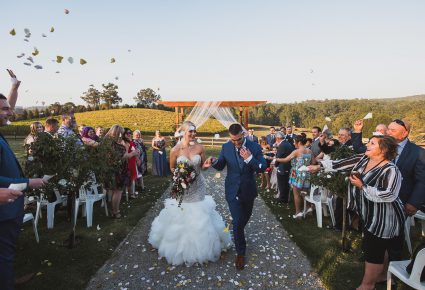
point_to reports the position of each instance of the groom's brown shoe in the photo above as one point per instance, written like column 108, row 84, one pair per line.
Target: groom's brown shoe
column 240, row 262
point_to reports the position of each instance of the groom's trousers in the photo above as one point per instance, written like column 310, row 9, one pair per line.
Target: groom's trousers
column 9, row 231
column 241, row 212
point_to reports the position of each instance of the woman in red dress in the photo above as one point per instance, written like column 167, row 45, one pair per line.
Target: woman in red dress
column 132, row 162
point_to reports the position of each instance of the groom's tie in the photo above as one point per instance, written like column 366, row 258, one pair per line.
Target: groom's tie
column 239, row 158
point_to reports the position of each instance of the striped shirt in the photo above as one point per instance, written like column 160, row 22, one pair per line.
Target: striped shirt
column 377, row 202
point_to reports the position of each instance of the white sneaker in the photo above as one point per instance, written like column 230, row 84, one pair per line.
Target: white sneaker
column 298, row 215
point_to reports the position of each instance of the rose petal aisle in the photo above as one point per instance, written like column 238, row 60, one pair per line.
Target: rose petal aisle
column 273, row 260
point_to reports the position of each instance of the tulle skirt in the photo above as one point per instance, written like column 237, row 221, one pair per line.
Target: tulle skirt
column 191, row 233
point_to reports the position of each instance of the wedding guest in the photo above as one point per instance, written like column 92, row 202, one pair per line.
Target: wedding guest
column 11, row 213
column 271, row 139
column 356, row 136
column 282, row 129
column 142, row 161
column 284, row 149
column 121, row 175
column 299, row 178
column 315, row 132
column 67, row 127
column 88, row 137
column 309, row 143
column 374, row 189
column 344, row 139
column 35, row 128
column 290, row 135
column 100, row 131
column 251, row 136
column 410, row 161
column 265, row 176
column 132, row 162
column 159, row 161
column 52, row 126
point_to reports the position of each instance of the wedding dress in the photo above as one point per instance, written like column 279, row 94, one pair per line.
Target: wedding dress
column 195, row 231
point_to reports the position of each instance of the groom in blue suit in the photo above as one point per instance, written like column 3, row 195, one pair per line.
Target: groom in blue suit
column 243, row 159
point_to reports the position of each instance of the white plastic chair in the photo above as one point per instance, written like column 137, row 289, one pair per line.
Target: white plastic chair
column 398, row 269
column 318, row 200
column 89, row 197
column 411, row 221
column 50, row 206
column 30, row 217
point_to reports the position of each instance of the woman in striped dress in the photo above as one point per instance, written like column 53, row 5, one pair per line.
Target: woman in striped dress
column 373, row 192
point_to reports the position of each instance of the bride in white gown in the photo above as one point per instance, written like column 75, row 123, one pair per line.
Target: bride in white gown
column 195, row 231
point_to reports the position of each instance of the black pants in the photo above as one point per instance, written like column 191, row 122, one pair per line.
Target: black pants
column 283, row 185
column 338, row 213
column 9, row 232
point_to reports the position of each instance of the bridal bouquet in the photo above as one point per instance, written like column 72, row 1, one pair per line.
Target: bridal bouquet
column 183, row 176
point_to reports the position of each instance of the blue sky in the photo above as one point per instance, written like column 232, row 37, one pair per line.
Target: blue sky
column 279, row 51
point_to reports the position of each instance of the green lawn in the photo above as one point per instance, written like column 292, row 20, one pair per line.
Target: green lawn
column 337, row 270
column 57, row 264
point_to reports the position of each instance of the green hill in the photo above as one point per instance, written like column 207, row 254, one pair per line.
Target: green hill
column 145, row 120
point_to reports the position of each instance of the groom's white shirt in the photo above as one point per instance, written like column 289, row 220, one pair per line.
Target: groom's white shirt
column 243, row 146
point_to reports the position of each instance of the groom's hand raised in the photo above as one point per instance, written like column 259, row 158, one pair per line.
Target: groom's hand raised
column 210, row 160
column 245, row 153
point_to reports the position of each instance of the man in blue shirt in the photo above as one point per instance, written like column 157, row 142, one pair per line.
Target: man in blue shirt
column 12, row 212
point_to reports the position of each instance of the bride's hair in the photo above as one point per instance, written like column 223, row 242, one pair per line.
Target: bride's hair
column 186, row 126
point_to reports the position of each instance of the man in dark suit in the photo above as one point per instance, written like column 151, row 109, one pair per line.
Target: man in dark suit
column 315, row 132
column 283, row 169
column 11, row 213
column 290, row 135
column 243, row 159
column 271, row 138
column 251, row 136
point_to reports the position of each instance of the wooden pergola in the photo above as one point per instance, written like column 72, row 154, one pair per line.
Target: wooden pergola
column 243, row 109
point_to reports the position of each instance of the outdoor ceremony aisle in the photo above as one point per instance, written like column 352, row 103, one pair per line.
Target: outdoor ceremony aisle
column 273, row 260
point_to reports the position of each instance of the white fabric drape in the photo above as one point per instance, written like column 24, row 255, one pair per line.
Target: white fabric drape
column 204, row 110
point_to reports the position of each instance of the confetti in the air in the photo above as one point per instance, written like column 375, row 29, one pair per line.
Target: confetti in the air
column 66, row 11
column 44, row 35
column 35, row 52
column 70, row 60
column 59, row 59
column 27, row 63
column 52, row 29
column 30, row 59
column 12, row 32
column 21, row 55
column 112, row 60
column 82, row 61
column 38, row 67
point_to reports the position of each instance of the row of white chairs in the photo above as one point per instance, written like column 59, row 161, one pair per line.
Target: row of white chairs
column 87, row 197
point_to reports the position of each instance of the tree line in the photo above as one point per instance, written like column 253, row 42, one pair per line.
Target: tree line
column 104, row 99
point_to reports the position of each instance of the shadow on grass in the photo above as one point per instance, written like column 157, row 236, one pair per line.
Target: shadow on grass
column 336, row 269
column 61, row 268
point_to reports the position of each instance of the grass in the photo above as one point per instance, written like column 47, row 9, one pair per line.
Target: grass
column 61, row 268
column 337, row 270
column 57, row 264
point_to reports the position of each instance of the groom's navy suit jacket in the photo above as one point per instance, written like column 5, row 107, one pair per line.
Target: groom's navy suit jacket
column 240, row 182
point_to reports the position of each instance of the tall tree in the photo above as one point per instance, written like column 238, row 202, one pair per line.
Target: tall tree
column 147, row 98
column 109, row 95
column 55, row 108
column 68, row 107
column 92, row 97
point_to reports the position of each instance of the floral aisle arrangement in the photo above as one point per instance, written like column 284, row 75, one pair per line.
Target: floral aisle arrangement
column 183, row 176
column 335, row 181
